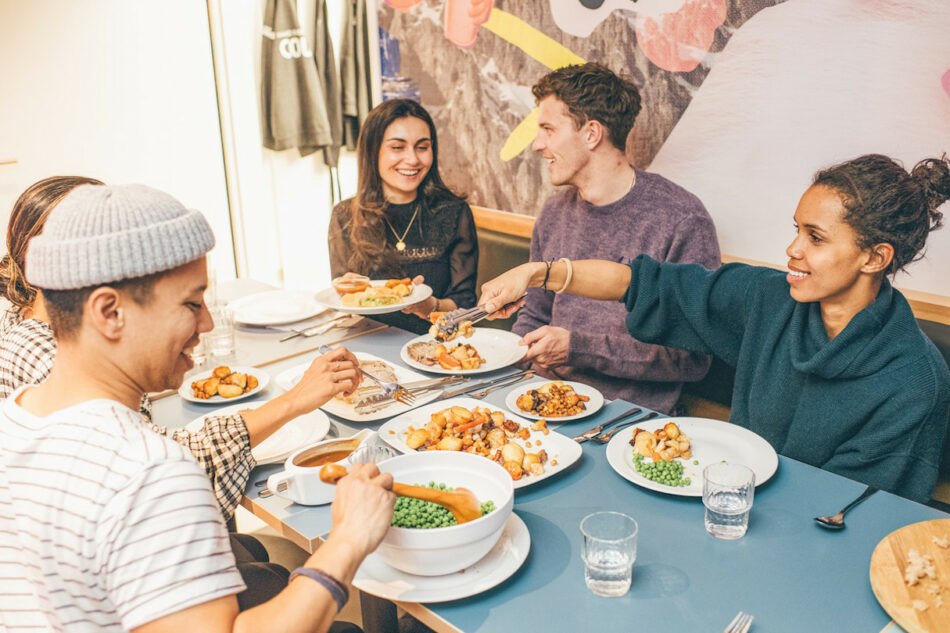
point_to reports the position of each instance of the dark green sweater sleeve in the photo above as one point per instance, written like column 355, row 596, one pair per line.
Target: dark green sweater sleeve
column 689, row 307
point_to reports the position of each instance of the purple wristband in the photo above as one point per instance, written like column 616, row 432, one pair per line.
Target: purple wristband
column 336, row 588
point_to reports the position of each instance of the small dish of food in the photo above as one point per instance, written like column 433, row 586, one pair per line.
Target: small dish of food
column 360, row 295
column 223, row 384
column 559, row 400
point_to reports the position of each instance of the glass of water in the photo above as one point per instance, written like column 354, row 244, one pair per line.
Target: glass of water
column 221, row 338
column 727, row 494
column 609, row 550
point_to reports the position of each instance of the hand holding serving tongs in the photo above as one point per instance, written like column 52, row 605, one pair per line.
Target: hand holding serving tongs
column 448, row 323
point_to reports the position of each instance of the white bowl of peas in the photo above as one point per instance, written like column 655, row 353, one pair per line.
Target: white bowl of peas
column 424, row 539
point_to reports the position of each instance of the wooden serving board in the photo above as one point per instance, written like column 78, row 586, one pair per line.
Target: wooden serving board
column 888, row 563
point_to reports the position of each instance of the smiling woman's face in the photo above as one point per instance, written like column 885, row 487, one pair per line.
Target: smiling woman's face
column 825, row 261
column 404, row 158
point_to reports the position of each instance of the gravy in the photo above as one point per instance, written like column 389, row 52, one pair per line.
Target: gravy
column 328, row 457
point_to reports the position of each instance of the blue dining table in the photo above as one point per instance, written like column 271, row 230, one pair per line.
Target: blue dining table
column 791, row 575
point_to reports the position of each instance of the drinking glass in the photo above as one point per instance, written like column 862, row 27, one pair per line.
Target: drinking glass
column 727, row 494
column 199, row 355
column 372, row 453
column 609, row 550
column 221, row 338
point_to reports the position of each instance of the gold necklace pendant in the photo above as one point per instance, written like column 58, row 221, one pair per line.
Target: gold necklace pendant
column 400, row 239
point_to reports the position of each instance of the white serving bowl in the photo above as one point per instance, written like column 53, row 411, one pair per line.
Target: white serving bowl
column 440, row 551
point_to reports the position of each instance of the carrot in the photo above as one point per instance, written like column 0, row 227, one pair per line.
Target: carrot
column 481, row 419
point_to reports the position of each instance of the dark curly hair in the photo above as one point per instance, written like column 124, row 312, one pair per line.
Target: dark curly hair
column 885, row 204
column 592, row 92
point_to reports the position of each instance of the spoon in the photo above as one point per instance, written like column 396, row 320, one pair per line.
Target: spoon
column 836, row 522
column 462, row 503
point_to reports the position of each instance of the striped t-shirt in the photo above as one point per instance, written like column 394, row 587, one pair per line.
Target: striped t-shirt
column 104, row 525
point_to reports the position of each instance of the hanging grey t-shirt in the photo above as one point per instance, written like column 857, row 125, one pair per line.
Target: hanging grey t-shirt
column 294, row 110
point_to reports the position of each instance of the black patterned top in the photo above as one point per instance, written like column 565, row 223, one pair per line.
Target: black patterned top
column 441, row 245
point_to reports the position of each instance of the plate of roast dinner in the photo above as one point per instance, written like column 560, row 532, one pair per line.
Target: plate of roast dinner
column 362, row 295
column 528, row 451
column 486, row 350
column 686, row 446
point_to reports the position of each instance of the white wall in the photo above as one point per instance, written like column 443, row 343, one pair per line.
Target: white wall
column 120, row 91
column 284, row 198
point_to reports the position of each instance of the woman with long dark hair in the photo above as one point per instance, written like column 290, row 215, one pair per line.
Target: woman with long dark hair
column 404, row 221
column 831, row 366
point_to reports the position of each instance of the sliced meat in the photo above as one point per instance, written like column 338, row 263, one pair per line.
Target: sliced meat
column 423, row 352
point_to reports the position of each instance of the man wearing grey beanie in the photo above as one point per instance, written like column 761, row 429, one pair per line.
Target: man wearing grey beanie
column 115, row 525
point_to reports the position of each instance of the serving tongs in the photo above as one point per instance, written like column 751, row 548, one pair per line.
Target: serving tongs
column 448, row 324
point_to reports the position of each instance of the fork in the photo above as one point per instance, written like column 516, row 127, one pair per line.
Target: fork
column 603, row 439
column 586, row 435
column 740, row 623
column 391, row 389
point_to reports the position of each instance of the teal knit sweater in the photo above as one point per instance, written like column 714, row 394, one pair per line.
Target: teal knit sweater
column 871, row 404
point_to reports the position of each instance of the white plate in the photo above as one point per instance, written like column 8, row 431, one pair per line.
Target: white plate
column 560, row 448
column 287, row 379
column 710, row 440
column 301, row 431
column 376, row 577
column 331, row 299
column 591, row 406
column 498, row 347
column 275, row 307
column 186, row 392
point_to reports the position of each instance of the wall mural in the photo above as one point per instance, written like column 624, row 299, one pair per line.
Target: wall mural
column 473, row 62
column 743, row 100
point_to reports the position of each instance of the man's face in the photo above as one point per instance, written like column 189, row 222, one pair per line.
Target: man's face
column 161, row 333
column 560, row 143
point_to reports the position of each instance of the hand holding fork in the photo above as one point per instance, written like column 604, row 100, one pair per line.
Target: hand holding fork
column 390, row 389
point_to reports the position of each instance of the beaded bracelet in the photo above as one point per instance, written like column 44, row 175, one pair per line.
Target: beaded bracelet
column 547, row 273
column 570, row 273
column 336, row 588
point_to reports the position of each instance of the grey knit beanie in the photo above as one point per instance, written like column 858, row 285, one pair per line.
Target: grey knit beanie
column 102, row 234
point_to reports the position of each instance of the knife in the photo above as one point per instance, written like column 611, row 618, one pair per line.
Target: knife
column 482, row 385
column 586, row 435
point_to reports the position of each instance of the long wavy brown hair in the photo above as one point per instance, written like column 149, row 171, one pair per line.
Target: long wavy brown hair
column 26, row 222
column 369, row 206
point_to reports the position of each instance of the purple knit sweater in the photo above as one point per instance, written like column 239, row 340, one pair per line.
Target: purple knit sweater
column 656, row 218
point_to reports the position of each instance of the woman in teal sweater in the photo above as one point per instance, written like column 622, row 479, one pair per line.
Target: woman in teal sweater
column 831, row 367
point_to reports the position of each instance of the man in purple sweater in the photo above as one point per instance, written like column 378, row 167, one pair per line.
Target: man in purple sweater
column 608, row 210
